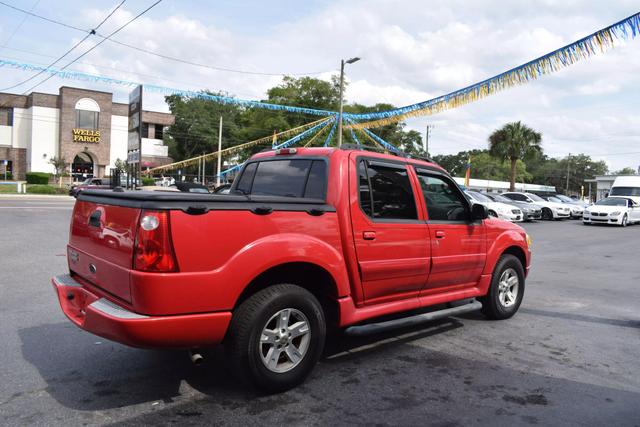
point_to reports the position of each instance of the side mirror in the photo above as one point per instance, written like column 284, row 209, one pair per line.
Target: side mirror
column 479, row 212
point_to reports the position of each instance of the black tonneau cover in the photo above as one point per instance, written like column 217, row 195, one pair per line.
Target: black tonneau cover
column 199, row 203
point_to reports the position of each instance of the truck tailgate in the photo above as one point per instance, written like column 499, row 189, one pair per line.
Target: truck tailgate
column 101, row 244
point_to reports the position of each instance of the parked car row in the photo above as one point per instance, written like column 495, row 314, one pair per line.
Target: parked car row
column 518, row 206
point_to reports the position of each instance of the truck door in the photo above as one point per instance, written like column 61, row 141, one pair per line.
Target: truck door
column 458, row 246
column 391, row 241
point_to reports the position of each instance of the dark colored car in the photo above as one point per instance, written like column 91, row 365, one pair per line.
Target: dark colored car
column 90, row 183
column 191, row 187
column 530, row 211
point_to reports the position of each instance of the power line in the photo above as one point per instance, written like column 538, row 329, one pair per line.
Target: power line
column 161, row 55
column 15, row 31
column 44, row 18
column 99, row 43
column 89, row 34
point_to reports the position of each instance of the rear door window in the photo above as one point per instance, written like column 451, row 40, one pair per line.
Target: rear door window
column 285, row 178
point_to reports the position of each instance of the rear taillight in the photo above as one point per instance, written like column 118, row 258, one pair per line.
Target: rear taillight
column 154, row 249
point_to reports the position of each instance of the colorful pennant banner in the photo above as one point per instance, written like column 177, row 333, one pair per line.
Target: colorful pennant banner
column 600, row 41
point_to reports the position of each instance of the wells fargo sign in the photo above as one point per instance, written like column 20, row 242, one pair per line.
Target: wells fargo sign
column 85, row 135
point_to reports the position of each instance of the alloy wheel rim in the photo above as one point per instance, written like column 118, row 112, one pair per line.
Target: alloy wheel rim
column 508, row 287
column 284, row 340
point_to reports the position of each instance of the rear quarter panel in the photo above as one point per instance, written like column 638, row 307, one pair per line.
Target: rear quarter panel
column 221, row 252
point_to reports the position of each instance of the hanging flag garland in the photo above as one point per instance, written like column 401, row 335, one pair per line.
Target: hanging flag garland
column 302, row 135
column 333, row 129
column 263, row 140
column 77, row 75
column 380, row 141
column 600, row 41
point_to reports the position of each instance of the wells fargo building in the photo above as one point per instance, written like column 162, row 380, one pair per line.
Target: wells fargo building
column 84, row 127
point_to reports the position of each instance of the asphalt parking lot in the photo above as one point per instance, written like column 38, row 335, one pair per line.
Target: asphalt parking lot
column 569, row 357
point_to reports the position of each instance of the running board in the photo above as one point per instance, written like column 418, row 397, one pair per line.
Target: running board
column 403, row 322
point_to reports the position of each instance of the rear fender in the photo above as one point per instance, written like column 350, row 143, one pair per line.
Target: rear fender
column 274, row 250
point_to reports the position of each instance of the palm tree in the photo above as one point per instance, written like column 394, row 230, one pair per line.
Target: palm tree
column 513, row 142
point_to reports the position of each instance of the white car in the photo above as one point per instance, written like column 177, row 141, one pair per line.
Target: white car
column 550, row 210
column 496, row 209
column 613, row 210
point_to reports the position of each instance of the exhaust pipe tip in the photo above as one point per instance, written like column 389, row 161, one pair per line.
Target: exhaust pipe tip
column 196, row 358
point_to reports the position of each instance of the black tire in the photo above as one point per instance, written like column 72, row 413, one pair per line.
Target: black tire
column 625, row 220
column 492, row 306
column 493, row 214
column 547, row 215
column 242, row 343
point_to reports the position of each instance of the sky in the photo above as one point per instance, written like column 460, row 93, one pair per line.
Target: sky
column 411, row 51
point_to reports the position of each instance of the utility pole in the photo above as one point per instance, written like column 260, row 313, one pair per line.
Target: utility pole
column 568, row 172
column 425, row 145
column 342, row 62
column 204, row 165
column 219, row 149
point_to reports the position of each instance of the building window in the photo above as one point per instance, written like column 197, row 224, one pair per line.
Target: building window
column 145, row 130
column 6, row 116
column 159, row 132
column 87, row 119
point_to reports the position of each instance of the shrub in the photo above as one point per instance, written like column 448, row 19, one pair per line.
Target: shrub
column 37, row 177
column 45, row 189
column 9, row 176
column 148, row 181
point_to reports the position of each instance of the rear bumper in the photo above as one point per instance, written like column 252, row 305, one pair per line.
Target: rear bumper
column 104, row 318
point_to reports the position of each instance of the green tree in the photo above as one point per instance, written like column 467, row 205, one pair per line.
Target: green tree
column 120, row 165
column 483, row 166
column 514, row 141
column 195, row 130
column 625, row 171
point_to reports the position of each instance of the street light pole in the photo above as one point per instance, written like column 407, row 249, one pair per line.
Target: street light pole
column 342, row 62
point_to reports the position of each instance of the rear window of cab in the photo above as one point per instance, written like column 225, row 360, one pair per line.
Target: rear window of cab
column 299, row 178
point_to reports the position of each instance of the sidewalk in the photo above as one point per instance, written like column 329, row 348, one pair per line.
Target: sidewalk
column 4, row 196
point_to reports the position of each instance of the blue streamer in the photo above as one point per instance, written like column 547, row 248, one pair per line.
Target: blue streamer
column 77, row 75
column 331, row 132
column 234, row 168
column 381, row 141
column 300, row 136
column 353, row 134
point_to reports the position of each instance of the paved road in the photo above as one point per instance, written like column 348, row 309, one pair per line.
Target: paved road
column 569, row 357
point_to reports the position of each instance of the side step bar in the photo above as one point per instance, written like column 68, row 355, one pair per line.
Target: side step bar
column 403, row 322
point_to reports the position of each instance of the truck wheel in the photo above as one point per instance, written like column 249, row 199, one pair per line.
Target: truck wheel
column 506, row 289
column 276, row 337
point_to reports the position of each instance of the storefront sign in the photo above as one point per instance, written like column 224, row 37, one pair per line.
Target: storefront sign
column 86, row 135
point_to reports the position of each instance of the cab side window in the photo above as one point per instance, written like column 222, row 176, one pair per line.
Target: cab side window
column 444, row 201
column 385, row 191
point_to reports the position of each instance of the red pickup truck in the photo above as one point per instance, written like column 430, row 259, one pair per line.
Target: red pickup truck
column 308, row 240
